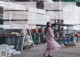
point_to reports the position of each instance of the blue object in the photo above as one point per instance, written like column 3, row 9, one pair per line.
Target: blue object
column 75, row 39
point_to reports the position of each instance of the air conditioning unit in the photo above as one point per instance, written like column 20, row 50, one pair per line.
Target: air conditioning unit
column 3, row 53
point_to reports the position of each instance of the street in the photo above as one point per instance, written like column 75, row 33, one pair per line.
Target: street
column 38, row 51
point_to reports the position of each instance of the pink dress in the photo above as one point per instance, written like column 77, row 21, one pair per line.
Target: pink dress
column 51, row 43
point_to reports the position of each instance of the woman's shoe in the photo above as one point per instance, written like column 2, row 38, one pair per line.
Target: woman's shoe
column 50, row 56
column 45, row 55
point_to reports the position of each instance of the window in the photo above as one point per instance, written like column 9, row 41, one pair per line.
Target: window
column 1, row 22
column 69, row 0
column 1, row 15
column 40, row 4
column 21, row 0
column 56, row 0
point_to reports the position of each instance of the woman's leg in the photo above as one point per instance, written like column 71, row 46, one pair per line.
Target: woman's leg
column 46, row 52
column 49, row 53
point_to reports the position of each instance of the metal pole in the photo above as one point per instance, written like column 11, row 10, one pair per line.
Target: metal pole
column 24, row 34
column 22, row 43
column 67, row 29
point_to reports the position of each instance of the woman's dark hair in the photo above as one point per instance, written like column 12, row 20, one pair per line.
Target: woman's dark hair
column 76, row 35
column 47, row 26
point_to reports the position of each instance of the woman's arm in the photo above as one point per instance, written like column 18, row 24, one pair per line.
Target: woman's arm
column 50, row 32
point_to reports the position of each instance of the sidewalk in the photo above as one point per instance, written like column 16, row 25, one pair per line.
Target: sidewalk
column 63, row 52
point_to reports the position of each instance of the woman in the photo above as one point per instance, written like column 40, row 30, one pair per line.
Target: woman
column 51, row 43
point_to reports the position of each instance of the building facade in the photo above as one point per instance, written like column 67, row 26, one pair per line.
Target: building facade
column 55, row 9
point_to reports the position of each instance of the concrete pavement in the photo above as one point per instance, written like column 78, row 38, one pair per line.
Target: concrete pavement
column 62, row 52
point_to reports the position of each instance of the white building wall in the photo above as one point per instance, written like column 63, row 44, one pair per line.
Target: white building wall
column 37, row 16
column 16, row 15
column 68, row 16
column 71, row 15
column 28, row 12
column 54, row 9
column 53, row 5
column 27, row 4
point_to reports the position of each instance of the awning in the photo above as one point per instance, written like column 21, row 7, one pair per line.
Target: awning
column 62, row 24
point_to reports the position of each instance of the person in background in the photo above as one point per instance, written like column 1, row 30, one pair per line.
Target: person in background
column 71, row 38
column 64, row 39
column 42, row 36
column 75, row 39
column 51, row 43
